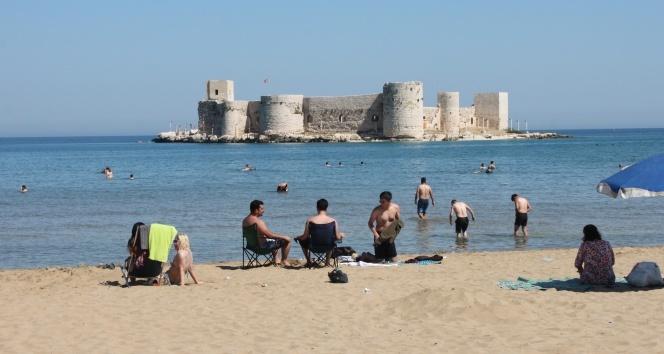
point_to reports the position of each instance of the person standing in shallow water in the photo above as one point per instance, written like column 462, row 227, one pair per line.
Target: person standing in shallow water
column 522, row 208
column 422, row 196
column 461, row 210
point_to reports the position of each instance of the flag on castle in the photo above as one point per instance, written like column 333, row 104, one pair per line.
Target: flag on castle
column 266, row 81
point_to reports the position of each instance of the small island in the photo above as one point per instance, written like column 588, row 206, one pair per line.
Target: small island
column 398, row 113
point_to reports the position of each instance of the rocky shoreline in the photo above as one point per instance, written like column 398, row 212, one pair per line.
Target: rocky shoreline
column 252, row 138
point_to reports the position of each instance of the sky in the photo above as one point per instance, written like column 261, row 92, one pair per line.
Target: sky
column 78, row 68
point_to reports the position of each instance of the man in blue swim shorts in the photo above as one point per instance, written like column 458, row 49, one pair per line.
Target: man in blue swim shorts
column 422, row 196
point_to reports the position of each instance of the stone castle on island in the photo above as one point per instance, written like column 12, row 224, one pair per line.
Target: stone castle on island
column 398, row 112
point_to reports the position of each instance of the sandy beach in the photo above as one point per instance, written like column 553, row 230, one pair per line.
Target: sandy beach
column 452, row 307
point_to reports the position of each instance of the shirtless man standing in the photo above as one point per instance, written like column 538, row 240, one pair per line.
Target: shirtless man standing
column 382, row 217
column 422, row 196
column 461, row 210
column 183, row 262
column 521, row 207
column 267, row 238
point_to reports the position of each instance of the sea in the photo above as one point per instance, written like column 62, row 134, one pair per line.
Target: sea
column 73, row 215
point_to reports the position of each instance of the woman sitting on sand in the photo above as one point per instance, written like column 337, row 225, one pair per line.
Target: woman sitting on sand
column 595, row 258
column 183, row 262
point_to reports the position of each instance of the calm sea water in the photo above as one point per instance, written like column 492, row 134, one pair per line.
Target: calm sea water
column 73, row 215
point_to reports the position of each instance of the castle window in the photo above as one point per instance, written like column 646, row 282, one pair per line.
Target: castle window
column 310, row 118
column 471, row 121
column 374, row 118
column 216, row 92
column 341, row 118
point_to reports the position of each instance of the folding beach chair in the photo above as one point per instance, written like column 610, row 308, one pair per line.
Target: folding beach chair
column 322, row 242
column 256, row 256
column 141, row 264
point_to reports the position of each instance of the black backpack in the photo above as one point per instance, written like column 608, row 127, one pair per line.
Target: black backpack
column 337, row 276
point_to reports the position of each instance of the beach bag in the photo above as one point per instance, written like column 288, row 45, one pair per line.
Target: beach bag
column 337, row 276
column 343, row 251
column 645, row 274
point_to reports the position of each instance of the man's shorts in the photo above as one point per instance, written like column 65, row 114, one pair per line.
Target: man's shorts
column 272, row 244
column 422, row 205
column 461, row 225
column 521, row 219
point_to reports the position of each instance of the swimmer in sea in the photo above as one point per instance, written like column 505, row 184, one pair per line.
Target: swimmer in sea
column 327, row 164
column 247, row 168
column 282, row 187
column 482, row 167
column 108, row 173
column 131, row 176
column 491, row 168
column 23, row 189
column 340, row 164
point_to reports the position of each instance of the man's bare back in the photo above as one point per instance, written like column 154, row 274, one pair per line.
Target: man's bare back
column 521, row 205
column 423, row 191
column 460, row 209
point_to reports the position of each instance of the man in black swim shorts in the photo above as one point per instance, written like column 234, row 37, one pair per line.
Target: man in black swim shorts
column 461, row 210
column 521, row 208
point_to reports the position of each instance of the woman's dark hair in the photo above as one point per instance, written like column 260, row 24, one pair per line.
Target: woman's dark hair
column 590, row 233
column 321, row 205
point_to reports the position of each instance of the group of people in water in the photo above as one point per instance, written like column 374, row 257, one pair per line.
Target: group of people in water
column 491, row 168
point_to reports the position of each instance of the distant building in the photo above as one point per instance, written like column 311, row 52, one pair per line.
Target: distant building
column 397, row 112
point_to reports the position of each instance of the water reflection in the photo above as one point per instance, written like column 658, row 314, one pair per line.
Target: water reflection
column 520, row 242
column 461, row 244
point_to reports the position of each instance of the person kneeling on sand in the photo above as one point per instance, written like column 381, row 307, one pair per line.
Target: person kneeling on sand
column 267, row 238
column 384, row 219
column 321, row 218
column 183, row 262
column 595, row 258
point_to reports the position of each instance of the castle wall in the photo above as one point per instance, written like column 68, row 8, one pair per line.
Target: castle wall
column 491, row 110
column 281, row 114
column 220, row 90
column 362, row 114
column 254, row 116
column 431, row 119
column 234, row 119
column 209, row 117
column 403, row 109
column 449, row 113
column 466, row 118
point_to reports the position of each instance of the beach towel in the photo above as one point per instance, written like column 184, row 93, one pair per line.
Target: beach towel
column 160, row 239
column 392, row 231
column 365, row 264
column 563, row 284
column 143, row 235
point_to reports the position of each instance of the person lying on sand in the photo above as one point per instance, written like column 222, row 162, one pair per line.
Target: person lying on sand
column 183, row 262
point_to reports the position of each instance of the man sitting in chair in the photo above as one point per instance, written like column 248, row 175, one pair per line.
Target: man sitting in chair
column 320, row 221
column 267, row 238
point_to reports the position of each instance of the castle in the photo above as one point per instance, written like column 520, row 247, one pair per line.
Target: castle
column 397, row 112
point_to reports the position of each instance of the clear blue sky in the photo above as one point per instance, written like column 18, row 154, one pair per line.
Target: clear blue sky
column 131, row 67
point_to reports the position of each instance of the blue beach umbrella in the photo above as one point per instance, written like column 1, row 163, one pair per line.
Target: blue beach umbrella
column 642, row 179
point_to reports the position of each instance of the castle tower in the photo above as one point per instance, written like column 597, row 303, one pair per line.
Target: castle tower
column 403, row 109
column 220, row 90
column 491, row 110
column 281, row 114
column 234, row 118
column 448, row 103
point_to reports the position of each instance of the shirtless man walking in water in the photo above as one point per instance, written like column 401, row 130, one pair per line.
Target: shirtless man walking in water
column 461, row 210
column 422, row 196
column 382, row 217
column 521, row 207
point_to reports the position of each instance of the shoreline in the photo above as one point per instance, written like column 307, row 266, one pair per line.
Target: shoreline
column 300, row 258
column 193, row 136
column 455, row 307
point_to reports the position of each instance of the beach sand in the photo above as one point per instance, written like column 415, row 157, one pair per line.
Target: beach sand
column 453, row 307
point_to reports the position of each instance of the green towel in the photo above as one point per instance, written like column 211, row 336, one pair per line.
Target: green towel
column 160, row 239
